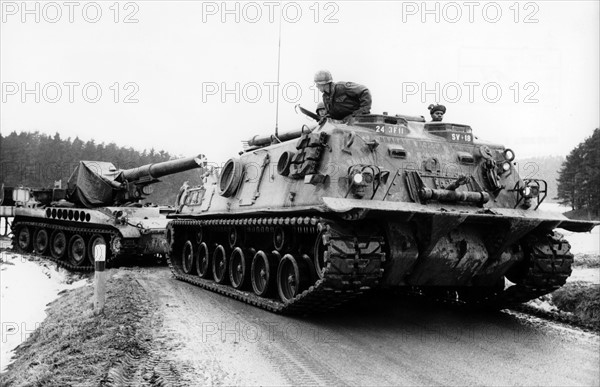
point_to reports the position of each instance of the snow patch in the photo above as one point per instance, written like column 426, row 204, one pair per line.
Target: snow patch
column 27, row 285
column 543, row 303
column 583, row 242
column 591, row 275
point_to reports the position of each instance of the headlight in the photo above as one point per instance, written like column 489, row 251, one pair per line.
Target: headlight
column 361, row 180
column 509, row 155
column 147, row 189
column 357, row 178
column 506, row 166
column 535, row 190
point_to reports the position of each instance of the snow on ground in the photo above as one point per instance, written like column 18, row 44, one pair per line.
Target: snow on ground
column 583, row 242
column 26, row 287
column 585, row 275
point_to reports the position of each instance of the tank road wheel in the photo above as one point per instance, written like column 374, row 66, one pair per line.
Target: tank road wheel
column 97, row 240
column 77, row 250
column 235, row 237
column 262, row 273
column 24, row 238
column 203, row 261
column 279, row 239
column 41, row 241
column 319, row 256
column 291, row 278
column 187, row 257
column 219, row 265
column 58, row 244
column 238, row 268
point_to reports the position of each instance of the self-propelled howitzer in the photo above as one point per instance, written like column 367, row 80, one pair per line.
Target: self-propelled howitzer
column 377, row 201
column 100, row 206
column 98, row 183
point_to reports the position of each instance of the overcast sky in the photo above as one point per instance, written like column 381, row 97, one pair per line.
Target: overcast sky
column 198, row 77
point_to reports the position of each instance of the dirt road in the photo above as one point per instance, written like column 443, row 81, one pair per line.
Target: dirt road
column 384, row 342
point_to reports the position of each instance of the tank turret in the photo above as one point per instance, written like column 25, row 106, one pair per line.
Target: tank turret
column 97, row 183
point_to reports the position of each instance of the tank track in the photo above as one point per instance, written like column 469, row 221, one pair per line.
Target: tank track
column 332, row 290
column 110, row 236
column 547, row 269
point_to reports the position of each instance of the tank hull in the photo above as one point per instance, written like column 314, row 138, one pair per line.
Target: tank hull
column 305, row 225
column 69, row 236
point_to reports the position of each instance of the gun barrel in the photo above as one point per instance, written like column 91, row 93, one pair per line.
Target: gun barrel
column 263, row 140
column 157, row 170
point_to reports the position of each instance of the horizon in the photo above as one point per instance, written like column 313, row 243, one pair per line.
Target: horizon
column 71, row 139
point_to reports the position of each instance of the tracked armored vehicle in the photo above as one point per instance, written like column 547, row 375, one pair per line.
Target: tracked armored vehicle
column 100, row 206
column 311, row 219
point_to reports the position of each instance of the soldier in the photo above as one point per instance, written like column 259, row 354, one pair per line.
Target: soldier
column 437, row 112
column 321, row 111
column 342, row 99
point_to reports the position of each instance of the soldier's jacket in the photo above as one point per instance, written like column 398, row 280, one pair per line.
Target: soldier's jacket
column 347, row 98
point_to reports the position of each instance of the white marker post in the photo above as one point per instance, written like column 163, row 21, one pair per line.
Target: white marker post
column 99, row 278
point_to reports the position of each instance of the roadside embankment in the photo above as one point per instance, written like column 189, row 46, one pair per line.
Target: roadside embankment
column 578, row 301
column 582, row 300
column 27, row 283
column 73, row 346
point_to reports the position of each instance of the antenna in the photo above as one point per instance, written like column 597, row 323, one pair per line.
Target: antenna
column 278, row 90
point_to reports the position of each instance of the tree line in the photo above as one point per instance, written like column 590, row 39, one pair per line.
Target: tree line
column 579, row 176
column 37, row 160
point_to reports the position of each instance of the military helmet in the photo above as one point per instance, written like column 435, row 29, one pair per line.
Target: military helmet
column 320, row 106
column 436, row 108
column 323, row 77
